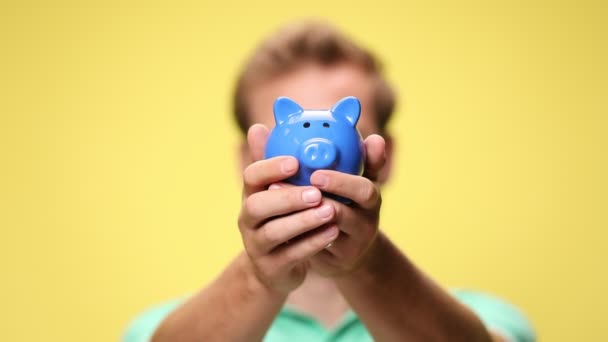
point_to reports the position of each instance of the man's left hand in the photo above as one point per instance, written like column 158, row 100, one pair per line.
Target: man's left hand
column 357, row 221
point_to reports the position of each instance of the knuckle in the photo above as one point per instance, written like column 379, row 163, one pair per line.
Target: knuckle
column 318, row 242
column 308, row 220
column 249, row 175
column 295, row 194
column 250, row 206
column 293, row 197
column 316, row 218
column 337, row 212
column 290, row 195
column 271, row 236
column 369, row 193
column 292, row 255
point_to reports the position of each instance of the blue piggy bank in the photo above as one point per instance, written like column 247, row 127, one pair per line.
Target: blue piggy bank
column 319, row 139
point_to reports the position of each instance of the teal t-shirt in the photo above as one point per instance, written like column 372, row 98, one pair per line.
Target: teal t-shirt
column 293, row 326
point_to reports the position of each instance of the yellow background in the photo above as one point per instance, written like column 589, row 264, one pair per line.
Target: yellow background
column 119, row 184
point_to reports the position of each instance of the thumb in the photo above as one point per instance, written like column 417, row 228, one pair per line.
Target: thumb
column 375, row 151
column 256, row 139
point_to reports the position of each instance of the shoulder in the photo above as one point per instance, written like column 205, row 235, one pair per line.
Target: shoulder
column 498, row 315
column 142, row 327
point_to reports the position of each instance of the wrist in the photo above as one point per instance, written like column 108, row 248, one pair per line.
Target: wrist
column 378, row 264
column 255, row 286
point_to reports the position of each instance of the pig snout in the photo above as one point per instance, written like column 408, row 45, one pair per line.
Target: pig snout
column 318, row 153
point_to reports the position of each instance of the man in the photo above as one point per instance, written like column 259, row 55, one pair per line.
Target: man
column 313, row 268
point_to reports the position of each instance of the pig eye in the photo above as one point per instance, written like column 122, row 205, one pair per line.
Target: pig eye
column 306, row 124
column 326, row 124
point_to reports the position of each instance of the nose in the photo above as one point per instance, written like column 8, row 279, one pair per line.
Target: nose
column 318, row 153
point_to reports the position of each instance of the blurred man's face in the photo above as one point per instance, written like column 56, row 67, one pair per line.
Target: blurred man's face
column 315, row 87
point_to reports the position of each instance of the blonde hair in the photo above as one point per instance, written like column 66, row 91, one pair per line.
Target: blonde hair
column 303, row 42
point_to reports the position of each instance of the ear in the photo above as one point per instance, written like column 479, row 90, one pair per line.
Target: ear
column 347, row 109
column 284, row 108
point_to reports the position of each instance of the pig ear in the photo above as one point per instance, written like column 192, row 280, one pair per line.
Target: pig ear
column 284, row 108
column 348, row 109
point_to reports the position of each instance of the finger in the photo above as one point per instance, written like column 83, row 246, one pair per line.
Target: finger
column 375, row 156
column 360, row 190
column 279, row 185
column 261, row 173
column 309, row 245
column 353, row 245
column 337, row 249
column 256, row 139
column 338, row 256
column 263, row 205
column 350, row 222
column 280, row 230
column 344, row 254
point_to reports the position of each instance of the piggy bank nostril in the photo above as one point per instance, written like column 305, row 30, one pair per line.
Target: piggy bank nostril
column 318, row 154
column 306, row 124
column 326, row 124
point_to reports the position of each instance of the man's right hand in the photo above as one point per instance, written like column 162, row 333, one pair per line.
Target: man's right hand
column 281, row 227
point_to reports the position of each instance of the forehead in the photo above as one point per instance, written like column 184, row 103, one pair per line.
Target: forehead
column 314, row 86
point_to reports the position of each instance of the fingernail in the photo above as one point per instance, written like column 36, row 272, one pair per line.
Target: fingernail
column 331, row 232
column 311, row 196
column 320, row 180
column 324, row 211
column 288, row 165
column 274, row 186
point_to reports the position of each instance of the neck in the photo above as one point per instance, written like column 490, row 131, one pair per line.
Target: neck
column 319, row 298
